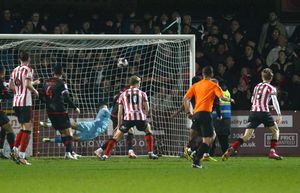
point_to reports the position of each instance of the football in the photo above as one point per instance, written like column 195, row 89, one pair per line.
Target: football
column 122, row 62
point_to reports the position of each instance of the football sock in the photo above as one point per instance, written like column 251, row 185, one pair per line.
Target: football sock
column 2, row 138
column 105, row 144
column 129, row 141
column 110, row 146
column 11, row 140
column 274, row 144
column 194, row 143
column 149, row 141
column 67, row 141
column 18, row 138
column 224, row 142
column 199, row 154
column 25, row 140
column 237, row 143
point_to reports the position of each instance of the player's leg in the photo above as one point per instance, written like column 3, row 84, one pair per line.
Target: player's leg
column 67, row 139
column 26, row 125
column 144, row 126
column 129, row 140
column 255, row 119
column 98, row 152
column 119, row 133
column 207, row 133
column 208, row 155
column 237, row 143
column 275, row 136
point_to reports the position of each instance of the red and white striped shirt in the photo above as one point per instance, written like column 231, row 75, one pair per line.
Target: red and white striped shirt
column 261, row 96
column 22, row 96
column 133, row 101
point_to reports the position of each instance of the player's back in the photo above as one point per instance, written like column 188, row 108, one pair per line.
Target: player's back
column 205, row 92
column 55, row 89
column 133, row 101
column 261, row 96
column 22, row 96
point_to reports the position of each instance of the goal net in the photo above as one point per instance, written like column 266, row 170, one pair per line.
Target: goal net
column 93, row 73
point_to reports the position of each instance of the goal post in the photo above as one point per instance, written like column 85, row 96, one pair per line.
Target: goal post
column 164, row 62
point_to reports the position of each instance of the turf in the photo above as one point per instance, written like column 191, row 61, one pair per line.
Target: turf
column 166, row 175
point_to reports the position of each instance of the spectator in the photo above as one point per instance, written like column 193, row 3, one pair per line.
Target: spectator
column 273, row 54
column 28, row 28
column 242, row 95
column 294, row 96
column 7, row 25
column 267, row 29
column 37, row 26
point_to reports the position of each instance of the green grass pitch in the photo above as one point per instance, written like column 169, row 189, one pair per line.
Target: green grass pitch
column 166, row 175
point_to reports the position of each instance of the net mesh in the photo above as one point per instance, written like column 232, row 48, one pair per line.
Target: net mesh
column 92, row 74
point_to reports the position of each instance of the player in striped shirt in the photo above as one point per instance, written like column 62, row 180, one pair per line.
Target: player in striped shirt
column 21, row 82
column 133, row 103
column 260, row 113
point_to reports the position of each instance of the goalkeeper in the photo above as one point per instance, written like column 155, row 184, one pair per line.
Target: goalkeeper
column 89, row 130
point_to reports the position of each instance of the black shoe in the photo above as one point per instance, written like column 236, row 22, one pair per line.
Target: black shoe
column 198, row 166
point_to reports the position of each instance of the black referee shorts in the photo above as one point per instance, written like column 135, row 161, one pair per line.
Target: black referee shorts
column 202, row 123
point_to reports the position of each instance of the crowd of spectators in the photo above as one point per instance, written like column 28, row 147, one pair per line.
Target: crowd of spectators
column 237, row 50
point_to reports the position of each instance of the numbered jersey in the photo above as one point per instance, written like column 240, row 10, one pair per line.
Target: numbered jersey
column 261, row 97
column 133, row 101
column 55, row 89
column 22, row 96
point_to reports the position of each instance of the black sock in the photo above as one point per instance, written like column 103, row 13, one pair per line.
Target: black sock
column 10, row 139
column 195, row 143
column 129, row 141
column 204, row 148
column 67, row 141
column 224, row 142
column 2, row 138
column 104, row 146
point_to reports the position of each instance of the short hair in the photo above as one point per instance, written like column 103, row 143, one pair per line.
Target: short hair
column 134, row 80
column 196, row 79
column 208, row 71
column 57, row 69
column 24, row 56
column 267, row 74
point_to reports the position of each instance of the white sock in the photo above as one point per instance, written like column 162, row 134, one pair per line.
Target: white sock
column 22, row 155
column 99, row 150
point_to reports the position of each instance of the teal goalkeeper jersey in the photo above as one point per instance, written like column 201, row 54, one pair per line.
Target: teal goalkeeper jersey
column 91, row 129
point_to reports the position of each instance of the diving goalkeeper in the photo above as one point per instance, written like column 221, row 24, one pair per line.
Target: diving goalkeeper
column 88, row 130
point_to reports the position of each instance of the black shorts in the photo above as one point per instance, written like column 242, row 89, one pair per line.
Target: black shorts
column 24, row 114
column 60, row 121
column 3, row 118
column 202, row 123
column 140, row 125
column 256, row 118
column 222, row 127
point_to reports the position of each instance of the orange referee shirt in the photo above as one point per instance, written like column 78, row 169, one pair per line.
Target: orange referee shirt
column 204, row 92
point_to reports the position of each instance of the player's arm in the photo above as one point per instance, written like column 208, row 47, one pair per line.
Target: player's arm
column 120, row 115
column 68, row 99
column 187, row 100
column 176, row 113
column 28, row 84
column 277, row 108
